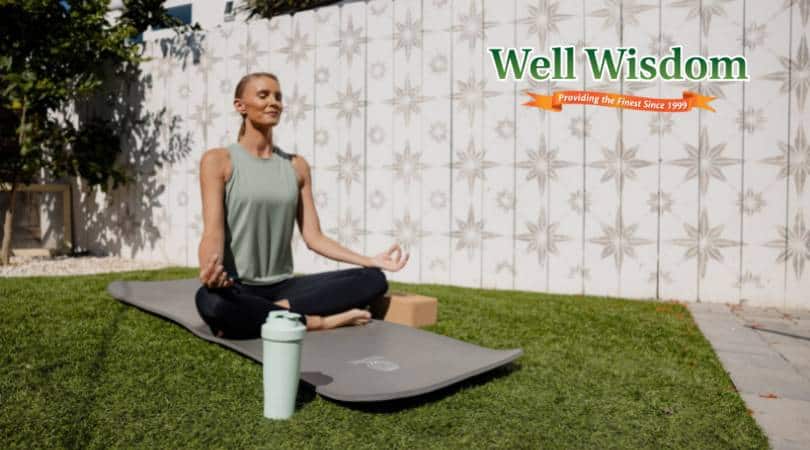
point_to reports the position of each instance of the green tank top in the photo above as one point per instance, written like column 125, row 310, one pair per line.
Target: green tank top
column 261, row 201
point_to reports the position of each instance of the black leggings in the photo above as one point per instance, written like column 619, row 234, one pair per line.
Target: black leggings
column 240, row 310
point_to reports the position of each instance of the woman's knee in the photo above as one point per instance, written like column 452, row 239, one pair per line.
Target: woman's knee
column 376, row 279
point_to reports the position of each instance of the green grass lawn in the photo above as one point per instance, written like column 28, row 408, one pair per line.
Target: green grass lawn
column 81, row 370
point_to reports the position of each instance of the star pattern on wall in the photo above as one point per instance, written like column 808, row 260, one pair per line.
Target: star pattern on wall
column 349, row 104
column 408, row 35
column 619, row 163
column 406, row 231
column 542, row 237
column 799, row 157
column 352, row 39
column 471, row 26
column 704, row 242
column 248, row 54
column 750, row 202
column 348, row 167
column 471, row 95
column 471, row 164
column 407, row 166
column 794, row 241
column 542, row 164
column 795, row 74
column 543, row 18
column 348, row 230
column 704, row 10
column 705, row 161
column 619, row 240
column 620, row 12
column 407, row 100
column 297, row 46
column 660, row 203
column 470, row 234
column 296, row 107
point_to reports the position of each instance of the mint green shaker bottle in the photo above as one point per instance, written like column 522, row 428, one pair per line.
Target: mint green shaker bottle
column 282, row 336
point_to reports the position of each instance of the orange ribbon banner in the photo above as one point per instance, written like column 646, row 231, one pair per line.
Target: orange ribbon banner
column 555, row 101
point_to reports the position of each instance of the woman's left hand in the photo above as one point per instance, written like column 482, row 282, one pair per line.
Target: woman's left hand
column 391, row 260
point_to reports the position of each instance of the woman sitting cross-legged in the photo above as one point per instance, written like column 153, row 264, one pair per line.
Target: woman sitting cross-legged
column 252, row 194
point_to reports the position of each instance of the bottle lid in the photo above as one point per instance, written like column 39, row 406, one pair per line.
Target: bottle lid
column 283, row 326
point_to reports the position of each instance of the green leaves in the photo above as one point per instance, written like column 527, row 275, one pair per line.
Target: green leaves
column 51, row 57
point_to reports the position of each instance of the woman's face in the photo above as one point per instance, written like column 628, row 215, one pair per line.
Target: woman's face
column 260, row 102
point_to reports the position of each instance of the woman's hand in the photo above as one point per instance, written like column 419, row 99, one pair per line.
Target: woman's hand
column 213, row 275
column 391, row 260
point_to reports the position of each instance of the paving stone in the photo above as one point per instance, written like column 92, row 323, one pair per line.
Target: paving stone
column 765, row 375
column 785, row 421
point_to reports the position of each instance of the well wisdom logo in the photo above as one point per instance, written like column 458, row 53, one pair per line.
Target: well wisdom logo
column 613, row 64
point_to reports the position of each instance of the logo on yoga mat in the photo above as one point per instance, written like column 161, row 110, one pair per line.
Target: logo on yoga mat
column 377, row 363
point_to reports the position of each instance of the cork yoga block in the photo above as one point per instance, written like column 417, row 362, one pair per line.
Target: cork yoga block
column 406, row 309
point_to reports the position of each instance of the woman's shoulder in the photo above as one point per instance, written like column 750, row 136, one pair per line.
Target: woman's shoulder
column 216, row 159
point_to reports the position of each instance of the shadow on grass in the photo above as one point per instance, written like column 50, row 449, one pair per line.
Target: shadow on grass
column 393, row 406
column 97, row 367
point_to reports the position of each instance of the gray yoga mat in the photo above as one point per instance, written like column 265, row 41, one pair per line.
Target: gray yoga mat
column 375, row 362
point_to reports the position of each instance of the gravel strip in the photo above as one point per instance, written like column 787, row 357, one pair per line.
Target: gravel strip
column 66, row 265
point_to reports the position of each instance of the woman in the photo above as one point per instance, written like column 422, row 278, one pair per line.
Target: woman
column 252, row 193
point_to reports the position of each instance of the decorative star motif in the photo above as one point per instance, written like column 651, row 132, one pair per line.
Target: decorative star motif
column 618, row 12
column 408, row 35
column 755, row 35
column 660, row 202
column 505, row 200
column 471, row 26
column 296, row 107
column 349, row 104
column 580, row 127
column 407, row 100
column 207, row 62
column 505, row 129
column 470, row 234
column 377, row 199
column 542, row 164
column 661, row 124
column 750, row 202
column 704, row 242
column 705, row 9
column 471, row 164
column 322, row 75
column 795, row 76
column 297, row 46
column 348, row 230
column 750, row 120
column 438, row 64
column 620, row 163
column 438, row 199
column 619, row 240
column 543, row 19
column 348, row 167
column 471, row 95
column 204, row 116
column 660, row 46
column 580, row 201
column 704, row 161
column 406, row 231
column 799, row 156
column 377, row 70
column 351, row 41
column 438, row 131
column 376, row 134
column 407, row 166
column 804, row 9
column 248, row 54
column 542, row 238
column 795, row 244
column 749, row 278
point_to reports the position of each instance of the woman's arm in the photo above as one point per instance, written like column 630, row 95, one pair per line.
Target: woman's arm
column 214, row 168
column 310, row 226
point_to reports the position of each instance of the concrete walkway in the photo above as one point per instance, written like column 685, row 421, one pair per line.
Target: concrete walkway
column 767, row 354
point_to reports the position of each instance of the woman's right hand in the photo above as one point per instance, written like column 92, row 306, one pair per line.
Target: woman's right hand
column 213, row 275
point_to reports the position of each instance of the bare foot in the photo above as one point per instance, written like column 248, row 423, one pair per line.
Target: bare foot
column 350, row 317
